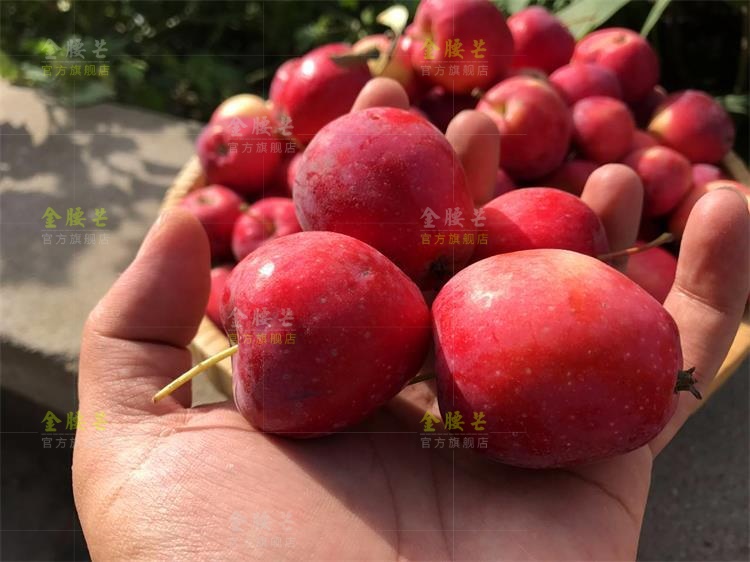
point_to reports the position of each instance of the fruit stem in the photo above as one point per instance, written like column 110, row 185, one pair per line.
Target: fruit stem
column 658, row 241
column 194, row 372
column 686, row 381
column 391, row 49
column 349, row 60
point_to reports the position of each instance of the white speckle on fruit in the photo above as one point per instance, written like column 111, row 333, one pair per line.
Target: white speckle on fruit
column 267, row 269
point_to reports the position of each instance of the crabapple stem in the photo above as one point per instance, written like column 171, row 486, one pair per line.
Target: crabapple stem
column 658, row 241
column 686, row 381
column 351, row 59
column 194, row 372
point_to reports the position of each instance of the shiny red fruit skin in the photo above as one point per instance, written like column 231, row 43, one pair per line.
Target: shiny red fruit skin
column 695, row 124
column 666, row 175
column 217, row 208
column 266, row 219
column 281, row 78
column 229, row 152
column 535, row 126
column 654, row 270
column 575, row 82
column 362, row 330
column 317, row 90
column 625, row 53
column 541, row 217
column 219, row 277
column 540, row 40
column 603, row 128
column 570, row 361
column 372, row 174
column 465, row 21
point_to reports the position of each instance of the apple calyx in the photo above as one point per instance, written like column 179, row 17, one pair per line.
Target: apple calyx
column 686, row 381
column 269, row 228
column 660, row 240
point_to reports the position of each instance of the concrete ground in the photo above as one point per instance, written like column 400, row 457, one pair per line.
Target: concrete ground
column 123, row 160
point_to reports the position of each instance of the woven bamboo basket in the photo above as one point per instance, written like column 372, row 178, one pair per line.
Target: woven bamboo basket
column 210, row 340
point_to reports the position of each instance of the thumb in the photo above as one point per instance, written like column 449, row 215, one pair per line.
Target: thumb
column 135, row 339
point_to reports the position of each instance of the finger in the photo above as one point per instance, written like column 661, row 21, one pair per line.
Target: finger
column 134, row 340
column 709, row 293
column 381, row 92
column 615, row 193
column 476, row 140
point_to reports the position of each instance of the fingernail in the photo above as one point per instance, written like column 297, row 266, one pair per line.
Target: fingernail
column 733, row 189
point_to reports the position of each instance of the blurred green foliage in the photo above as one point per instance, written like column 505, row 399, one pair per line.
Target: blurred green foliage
column 184, row 56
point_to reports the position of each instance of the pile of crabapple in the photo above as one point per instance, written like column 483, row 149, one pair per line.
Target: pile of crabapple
column 351, row 254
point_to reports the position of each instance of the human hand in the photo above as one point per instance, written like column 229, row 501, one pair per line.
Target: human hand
column 164, row 481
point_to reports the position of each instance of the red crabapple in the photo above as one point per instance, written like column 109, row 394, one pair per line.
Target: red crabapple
column 569, row 361
column 328, row 330
column 384, row 175
column 541, row 217
column 217, row 208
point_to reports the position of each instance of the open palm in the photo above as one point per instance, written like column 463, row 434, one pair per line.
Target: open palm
column 165, row 481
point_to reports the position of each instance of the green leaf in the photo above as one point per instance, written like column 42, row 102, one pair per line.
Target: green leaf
column 653, row 16
column 513, row 6
column 94, row 91
column 132, row 70
column 33, row 74
column 585, row 15
column 735, row 103
column 8, row 69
